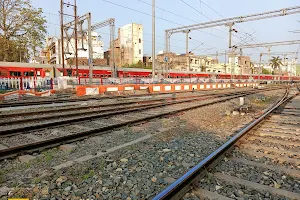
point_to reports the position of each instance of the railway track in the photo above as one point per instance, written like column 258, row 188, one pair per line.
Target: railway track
column 64, row 113
column 83, row 99
column 97, row 105
column 260, row 162
column 33, row 137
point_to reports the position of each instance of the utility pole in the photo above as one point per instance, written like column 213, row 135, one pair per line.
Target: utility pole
column 225, row 62
column 62, row 35
column 269, row 53
column 153, row 39
column 90, row 48
column 230, row 34
column 259, row 67
column 64, row 31
column 76, row 37
column 187, row 49
column 112, row 39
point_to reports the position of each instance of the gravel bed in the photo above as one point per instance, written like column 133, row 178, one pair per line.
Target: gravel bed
column 14, row 141
column 261, row 176
column 138, row 171
column 270, row 144
column 66, row 112
column 264, row 160
column 234, row 191
column 55, row 132
column 277, row 145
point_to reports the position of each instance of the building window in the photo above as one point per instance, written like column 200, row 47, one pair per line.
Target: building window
column 140, row 51
column 140, row 40
column 245, row 62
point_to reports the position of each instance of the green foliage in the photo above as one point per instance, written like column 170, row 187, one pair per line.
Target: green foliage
column 48, row 155
column 265, row 71
column 90, row 174
column 11, row 51
column 276, row 63
column 21, row 27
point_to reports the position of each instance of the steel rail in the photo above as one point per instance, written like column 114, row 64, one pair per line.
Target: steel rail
column 97, row 106
column 29, row 103
column 14, row 151
column 182, row 185
column 107, row 113
column 8, row 132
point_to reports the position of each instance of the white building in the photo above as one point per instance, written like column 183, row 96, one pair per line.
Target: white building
column 131, row 43
column 52, row 52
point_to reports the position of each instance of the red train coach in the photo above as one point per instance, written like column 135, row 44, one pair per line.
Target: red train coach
column 8, row 69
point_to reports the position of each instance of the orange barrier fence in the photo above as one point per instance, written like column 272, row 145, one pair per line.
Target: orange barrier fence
column 156, row 88
column 18, row 93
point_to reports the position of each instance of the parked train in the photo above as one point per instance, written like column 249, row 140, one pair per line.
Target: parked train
column 8, row 69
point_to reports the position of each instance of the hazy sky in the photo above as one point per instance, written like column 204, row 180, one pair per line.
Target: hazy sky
column 191, row 12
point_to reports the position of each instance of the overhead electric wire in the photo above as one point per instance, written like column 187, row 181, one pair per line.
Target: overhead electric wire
column 158, row 17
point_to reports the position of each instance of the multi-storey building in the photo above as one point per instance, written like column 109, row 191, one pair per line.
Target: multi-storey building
column 128, row 46
column 183, row 62
column 52, row 53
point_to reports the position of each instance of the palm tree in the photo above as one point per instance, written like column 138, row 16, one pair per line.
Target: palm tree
column 276, row 63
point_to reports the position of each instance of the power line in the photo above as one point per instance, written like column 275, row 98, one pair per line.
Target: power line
column 158, row 17
column 168, row 11
column 197, row 42
column 174, row 46
column 222, row 16
column 207, row 16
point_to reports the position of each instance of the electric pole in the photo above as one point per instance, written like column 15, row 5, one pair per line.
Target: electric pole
column 90, row 48
column 259, row 67
column 76, row 37
column 62, row 35
column 153, row 39
column 64, row 31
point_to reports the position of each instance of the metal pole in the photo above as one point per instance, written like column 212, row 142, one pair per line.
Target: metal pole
column 76, row 38
column 153, row 39
column 230, row 33
column 259, row 67
column 187, row 49
column 167, row 41
column 112, row 34
column 62, row 35
column 90, row 48
column 225, row 62
column 269, row 53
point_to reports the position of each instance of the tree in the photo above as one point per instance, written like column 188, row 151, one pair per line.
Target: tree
column 21, row 25
column 276, row 63
column 12, row 50
column 265, row 71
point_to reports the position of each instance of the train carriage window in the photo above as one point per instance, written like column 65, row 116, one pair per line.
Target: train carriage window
column 13, row 73
column 69, row 72
column 28, row 73
column 84, row 75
